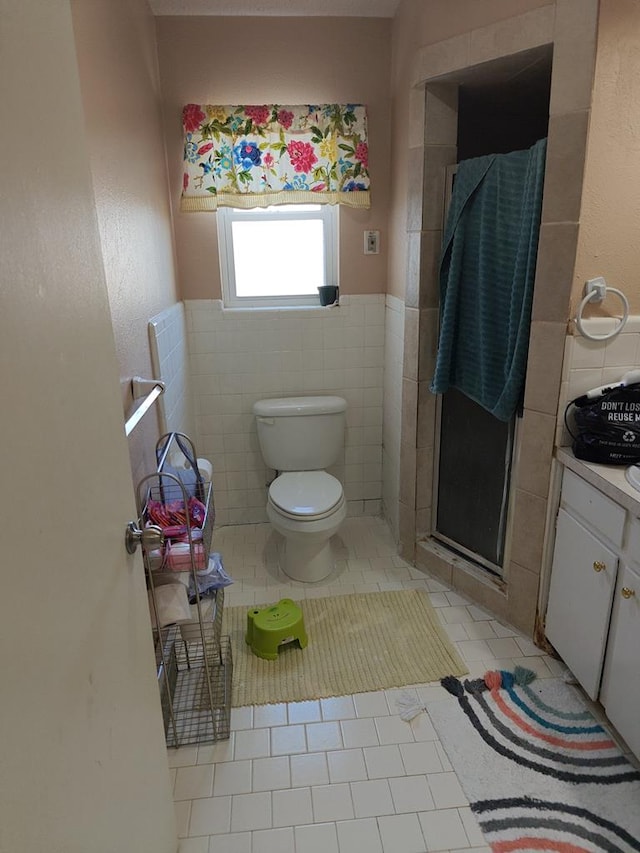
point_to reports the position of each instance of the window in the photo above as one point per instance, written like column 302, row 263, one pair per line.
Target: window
column 277, row 255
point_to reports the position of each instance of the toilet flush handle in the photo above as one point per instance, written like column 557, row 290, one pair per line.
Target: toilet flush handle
column 266, row 420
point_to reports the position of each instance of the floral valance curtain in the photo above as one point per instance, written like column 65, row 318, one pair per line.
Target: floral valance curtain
column 256, row 156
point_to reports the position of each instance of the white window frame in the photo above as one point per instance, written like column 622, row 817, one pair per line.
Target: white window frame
column 226, row 216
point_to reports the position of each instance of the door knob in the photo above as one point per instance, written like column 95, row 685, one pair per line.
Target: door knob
column 599, row 566
column 151, row 537
column 625, row 592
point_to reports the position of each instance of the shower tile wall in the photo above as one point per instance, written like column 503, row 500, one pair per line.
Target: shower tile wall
column 590, row 364
column 392, row 420
column 170, row 360
column 240, row 356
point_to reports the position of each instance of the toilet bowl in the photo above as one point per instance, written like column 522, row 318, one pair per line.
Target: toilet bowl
column 299, row 437
column 307, row 509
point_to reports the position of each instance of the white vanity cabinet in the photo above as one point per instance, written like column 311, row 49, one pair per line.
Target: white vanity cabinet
column 582, row 584
column 620, row 693
column 593, row 613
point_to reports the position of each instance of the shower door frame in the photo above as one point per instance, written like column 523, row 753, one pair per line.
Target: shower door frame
column 508, row 503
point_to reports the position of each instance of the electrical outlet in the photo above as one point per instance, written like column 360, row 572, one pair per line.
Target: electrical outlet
column 371, row 242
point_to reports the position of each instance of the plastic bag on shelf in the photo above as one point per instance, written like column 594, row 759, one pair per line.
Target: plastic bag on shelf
column 212, row 578
column 190, row 475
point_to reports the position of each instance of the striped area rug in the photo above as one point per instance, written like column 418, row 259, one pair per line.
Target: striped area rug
column 540, row 773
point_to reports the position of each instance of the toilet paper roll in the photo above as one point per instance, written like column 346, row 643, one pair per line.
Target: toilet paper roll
column 206, row 469
column 172, row 605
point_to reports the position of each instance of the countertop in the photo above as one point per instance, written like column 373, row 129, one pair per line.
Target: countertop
column 609, row 479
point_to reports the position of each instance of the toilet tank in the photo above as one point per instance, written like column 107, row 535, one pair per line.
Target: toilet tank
column 300, row 433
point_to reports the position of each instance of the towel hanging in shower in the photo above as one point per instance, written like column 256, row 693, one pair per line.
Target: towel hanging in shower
column 487, row 273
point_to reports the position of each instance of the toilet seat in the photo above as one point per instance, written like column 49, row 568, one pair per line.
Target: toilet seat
column 306, row 495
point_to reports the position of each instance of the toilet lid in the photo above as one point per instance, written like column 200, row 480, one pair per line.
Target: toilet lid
column 305, row 493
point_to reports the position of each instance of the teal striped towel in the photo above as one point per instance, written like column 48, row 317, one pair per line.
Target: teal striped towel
column 487, row 274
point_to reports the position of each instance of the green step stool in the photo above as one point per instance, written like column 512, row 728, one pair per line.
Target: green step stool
column 271, row 627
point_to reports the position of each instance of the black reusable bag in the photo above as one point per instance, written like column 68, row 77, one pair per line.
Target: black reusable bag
column 606, row 429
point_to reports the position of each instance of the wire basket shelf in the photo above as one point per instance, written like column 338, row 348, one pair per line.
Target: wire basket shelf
column 194, row 662
column 196, row 698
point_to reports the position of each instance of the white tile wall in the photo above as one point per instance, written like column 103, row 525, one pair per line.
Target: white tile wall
column 170, row 361
column 240, row 356
column 590, row 364
column 392, row 413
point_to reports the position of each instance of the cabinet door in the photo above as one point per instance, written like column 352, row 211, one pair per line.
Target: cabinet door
column 621, row 677
column 582, row 583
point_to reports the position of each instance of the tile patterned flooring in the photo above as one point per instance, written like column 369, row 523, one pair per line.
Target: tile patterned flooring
column 345, row 774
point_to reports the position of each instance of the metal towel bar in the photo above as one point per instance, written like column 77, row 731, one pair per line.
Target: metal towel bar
column 138, row 385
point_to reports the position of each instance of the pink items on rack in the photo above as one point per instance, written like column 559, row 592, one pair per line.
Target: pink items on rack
column 182, row 527
column 172, row 515
column 178, row 556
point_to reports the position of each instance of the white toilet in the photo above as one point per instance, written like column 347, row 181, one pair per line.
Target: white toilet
column 299, row 437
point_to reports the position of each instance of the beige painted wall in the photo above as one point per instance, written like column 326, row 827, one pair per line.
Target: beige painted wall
column 418, row 24
column 117, row 59
column 609, row 240
column 278, row 60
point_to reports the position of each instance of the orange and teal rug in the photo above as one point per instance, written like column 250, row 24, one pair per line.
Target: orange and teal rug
column 540, row 773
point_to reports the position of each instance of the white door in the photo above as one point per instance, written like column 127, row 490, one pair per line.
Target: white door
column 83, row 766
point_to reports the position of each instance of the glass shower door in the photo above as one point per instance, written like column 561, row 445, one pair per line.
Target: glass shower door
column 471, row 482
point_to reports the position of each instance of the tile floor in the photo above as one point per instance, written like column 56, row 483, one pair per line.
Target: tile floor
column 346, row 774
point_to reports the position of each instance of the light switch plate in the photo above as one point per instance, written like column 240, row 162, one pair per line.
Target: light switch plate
column 371, row 242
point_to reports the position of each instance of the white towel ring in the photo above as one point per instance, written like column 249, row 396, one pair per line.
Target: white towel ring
column 597, row 294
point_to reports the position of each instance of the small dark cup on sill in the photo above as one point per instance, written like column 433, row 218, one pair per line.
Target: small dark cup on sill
column 328, row 294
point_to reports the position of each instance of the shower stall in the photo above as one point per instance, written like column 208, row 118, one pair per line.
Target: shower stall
column 474, row 451
column 469, row 95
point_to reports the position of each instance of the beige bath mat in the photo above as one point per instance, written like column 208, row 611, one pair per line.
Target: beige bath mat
column 357, row 643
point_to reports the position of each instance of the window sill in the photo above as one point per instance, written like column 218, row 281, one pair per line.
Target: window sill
column 287, row 310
